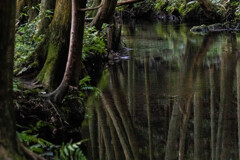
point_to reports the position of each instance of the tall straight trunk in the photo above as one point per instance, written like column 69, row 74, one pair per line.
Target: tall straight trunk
column 238, row 103
column 9, row 146
column 104, row 13
column 73, row 66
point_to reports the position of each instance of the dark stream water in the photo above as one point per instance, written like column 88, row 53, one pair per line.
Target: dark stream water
column 176, row 98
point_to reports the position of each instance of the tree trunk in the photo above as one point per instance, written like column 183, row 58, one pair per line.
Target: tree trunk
column 104, row 13
column 44, row 20
column 73, row 67
column 52, row 53
column 114, row 35
column 8, row 148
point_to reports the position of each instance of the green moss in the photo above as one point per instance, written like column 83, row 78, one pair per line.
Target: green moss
column 45, row 75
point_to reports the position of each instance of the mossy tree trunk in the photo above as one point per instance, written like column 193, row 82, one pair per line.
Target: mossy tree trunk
column 52, row 53
column 73, row 66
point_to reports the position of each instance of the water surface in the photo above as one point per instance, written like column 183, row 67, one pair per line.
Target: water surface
column 176, row 98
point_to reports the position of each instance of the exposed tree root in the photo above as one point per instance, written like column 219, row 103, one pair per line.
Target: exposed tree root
column 30, row 155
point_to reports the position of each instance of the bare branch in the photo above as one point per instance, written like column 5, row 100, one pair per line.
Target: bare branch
column 118, row 4
column 90, row 9
column 128, row 2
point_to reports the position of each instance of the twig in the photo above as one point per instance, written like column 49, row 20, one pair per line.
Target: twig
column 90, row 9
column 30, row 154
column 128, row 2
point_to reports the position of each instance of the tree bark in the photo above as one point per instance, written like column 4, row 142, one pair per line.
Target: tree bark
column 45, row 21
column 52, row 53
column 104, row 13
column 73, row 67
column 10, row 147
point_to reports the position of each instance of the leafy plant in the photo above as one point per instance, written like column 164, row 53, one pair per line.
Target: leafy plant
column 30, row 138
column 84, row 85
column 70, row 151
column 26, row 42
column 94, row 42
column 66, row 151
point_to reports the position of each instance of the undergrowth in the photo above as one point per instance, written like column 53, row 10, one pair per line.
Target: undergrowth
column 67, row 151
column 94, row 42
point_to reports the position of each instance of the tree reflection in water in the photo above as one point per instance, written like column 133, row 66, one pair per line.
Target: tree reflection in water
column 177, row 98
